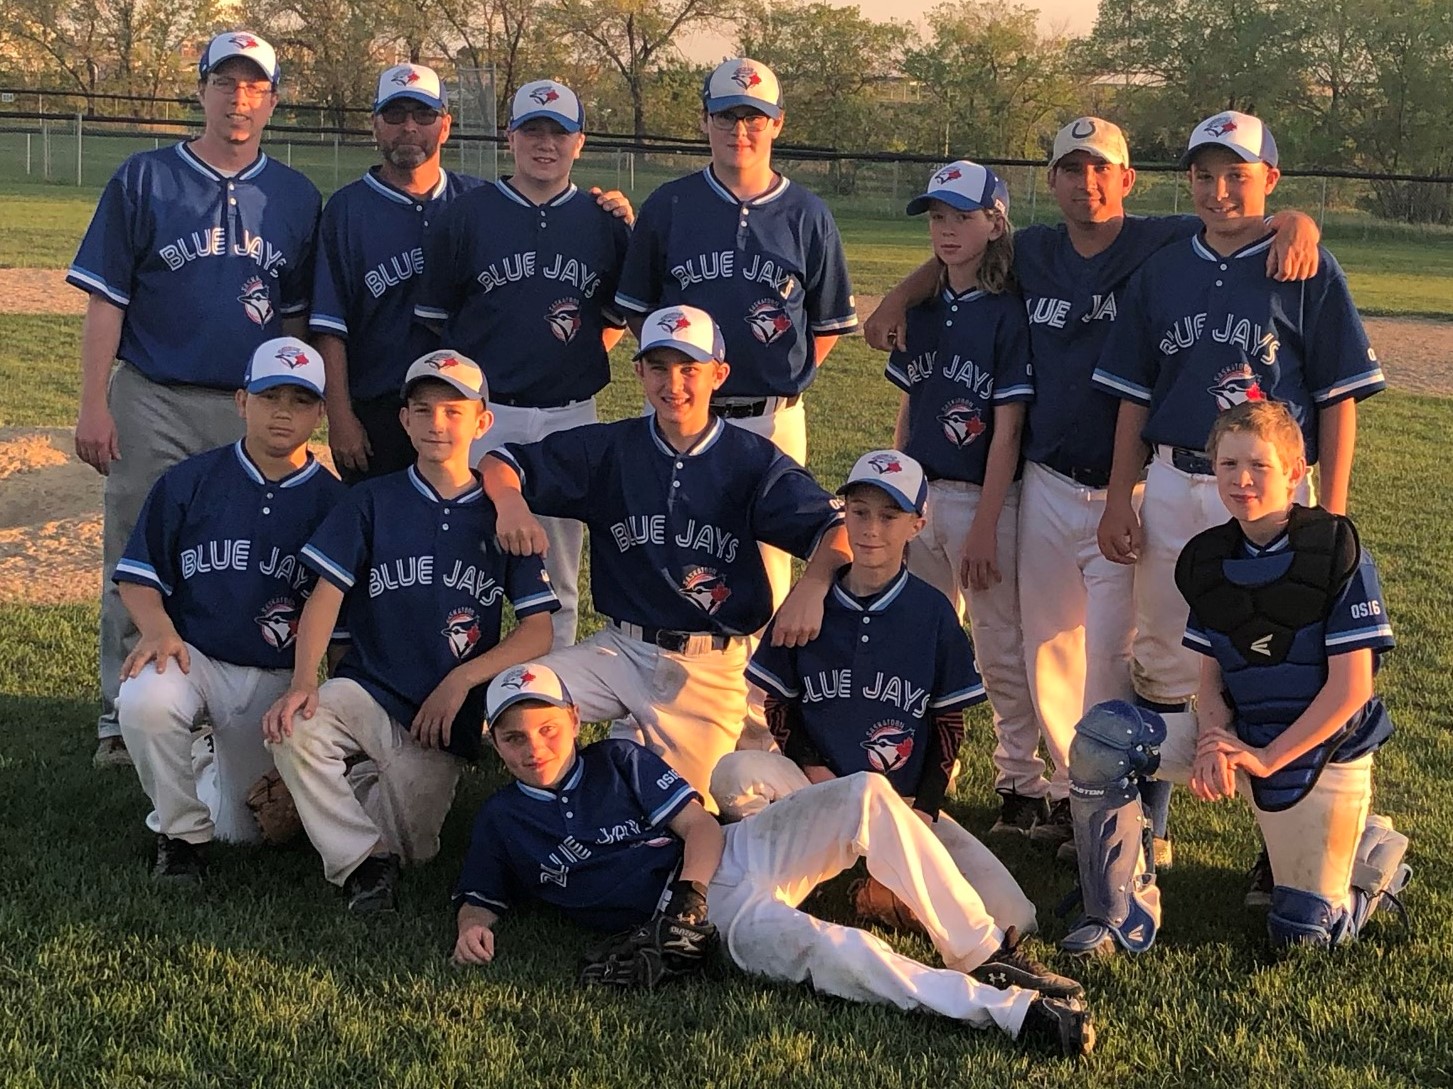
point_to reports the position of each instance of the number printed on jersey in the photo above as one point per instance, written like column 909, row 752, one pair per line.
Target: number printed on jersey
column 1362, row 610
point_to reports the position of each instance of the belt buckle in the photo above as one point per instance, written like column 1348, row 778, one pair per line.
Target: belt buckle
column 674, row 641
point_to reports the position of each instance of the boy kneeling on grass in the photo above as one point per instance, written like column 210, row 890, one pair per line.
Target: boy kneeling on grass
column 615, row 838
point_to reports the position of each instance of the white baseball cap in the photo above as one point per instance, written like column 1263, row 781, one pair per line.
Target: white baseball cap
column 240, row 43
column 963, row 185
column 1102, row 139
column 896, row 473
column 547, row 98
column 742, row 82
column 410, row 81
column 685, row 328
column 459, row 371
column 1241, row 133
column 284, row 361
column 533, row 682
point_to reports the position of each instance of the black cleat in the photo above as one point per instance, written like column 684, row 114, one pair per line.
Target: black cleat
column 1012, row 967
column 1018, row 814
column 1259, row 882
column 1059, row 1022
column 177, row 861
column 371, row 887
column 1057, row 828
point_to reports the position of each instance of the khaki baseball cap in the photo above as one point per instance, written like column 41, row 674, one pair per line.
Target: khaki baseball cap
column 1099, row 137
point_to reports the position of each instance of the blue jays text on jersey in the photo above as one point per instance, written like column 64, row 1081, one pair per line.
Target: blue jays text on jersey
column 424, row 586
column 1199, row 333
column 369, row 272
column 597, row 846
column 220, row 542
column 232, row 256
column 770, row 270
column 966, row 355
column 871, row 684
column 527, row 290
column 1072, row 303
column 673, row 535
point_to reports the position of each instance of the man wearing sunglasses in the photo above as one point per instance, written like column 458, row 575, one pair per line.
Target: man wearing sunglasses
column 196, row 255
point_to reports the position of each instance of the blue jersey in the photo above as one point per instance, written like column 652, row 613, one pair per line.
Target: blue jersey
column 673, row 536
column 425, row 586
column 771, row 271
column 205, row 266
column 870, row 685
column 221, row 543
column 597, row 846
column 369, row 270
column 1072, row 303
column 967, row 355
column 1199, row 333
column 527, row 289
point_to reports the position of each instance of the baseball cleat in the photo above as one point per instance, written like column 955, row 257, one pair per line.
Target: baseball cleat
column 177, row 861
column 1018, row 814
column 1057, row 828
column 111, row 753
column 1090, row 940
column 1011, row 967
column 1059, row 1022
column 1259, row 883
column 371, row 887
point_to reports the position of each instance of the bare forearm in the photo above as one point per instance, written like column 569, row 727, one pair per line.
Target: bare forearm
column 1003, row 459
column 820, row 347
column 1336, row 440
column 474, row 915
column 900, row 425
column 315, row 631
column 530, row 639
column 146, row 608
column 100, row 339
column 1348, row 688
column 334, row 351
column 831, row 553
column 1130, row 452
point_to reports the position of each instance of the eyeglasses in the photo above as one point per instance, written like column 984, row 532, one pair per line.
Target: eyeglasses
column 250, row 88
column 396, row 113
column 752, row 120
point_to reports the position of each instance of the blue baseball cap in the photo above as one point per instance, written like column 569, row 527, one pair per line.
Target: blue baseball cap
column 531, row 682
column 895, row 473
column 548, row 98
column 240, row 43
column 1244, row 135
column 963, row 185
column 451, row 368
column 410, row 81
column 685, row 328
column 284, row 361
column 742, row 82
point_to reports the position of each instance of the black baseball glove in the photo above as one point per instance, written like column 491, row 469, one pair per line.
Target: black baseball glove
column 666, row 947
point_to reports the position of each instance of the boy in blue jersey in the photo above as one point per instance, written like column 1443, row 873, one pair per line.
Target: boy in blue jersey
column 612, row 836
column 411, row 557
column 213, row 582
column 1287, row 614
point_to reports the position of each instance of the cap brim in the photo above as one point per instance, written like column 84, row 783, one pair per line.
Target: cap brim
column 569, row 124
column 920, row 204
column 492, row 714
column 894, row 494
column 691, row 351
column 1087, row 149
column 717, row 105
column 271, row 77
column 1191, row 152
column 417, row 96
column 464, row 391
column 272, row 381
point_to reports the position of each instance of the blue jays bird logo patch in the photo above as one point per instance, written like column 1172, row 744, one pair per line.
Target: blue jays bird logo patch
column 746, row 77
column 403, row 79
column 889, row 745
column 768, row 321
column 255, row 300
column 885, row 463
column 706, row 589
column 544, row 95
column 461, row 628
column 292, row 358
column 1220, row 126
column 563, row 317
column 517, row 677
column 673, row 322
column 946, row 175
column 278, row 623
column 962, row 423
column 1235, row 386
column 243, row 41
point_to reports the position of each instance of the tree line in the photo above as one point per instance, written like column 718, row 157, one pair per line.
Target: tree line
column 1350, row 84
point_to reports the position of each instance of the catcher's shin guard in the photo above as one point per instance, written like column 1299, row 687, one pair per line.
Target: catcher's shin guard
column 1115, row 743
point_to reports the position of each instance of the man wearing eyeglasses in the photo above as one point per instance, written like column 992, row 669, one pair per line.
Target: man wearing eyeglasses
column 196, row 255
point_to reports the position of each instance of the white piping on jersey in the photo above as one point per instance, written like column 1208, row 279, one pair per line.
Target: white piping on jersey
column 673, row 803
column 1374, row 377
column 571, row 782
column 247, row 173
column 772, row 193
column 398, row 196
column 973, row 692
column 832, row 325
column 144, row 571
column 878, row 604
column 341, row 576
column 424, row 488
column 1383, row 631
column 291, row 480
column 519, row 198
column 92, row 280
column 702, row 444
column 1279, row 543
column 769, row 680
column 1139, row 394
column 974, row 294
column 1205, row 253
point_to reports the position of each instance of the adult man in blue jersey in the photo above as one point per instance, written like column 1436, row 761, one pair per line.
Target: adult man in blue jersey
column 197, row 254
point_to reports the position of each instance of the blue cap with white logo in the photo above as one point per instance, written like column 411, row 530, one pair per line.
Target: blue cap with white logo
column 963, row 185
column 284, row 361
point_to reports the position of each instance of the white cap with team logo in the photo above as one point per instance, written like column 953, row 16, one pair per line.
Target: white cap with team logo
column 457, row 370
column 1240, row 133
column 532, row 682
column 742, row 82
column 685, row 328
column 550, row 99
column 240, row 43
column 1102, row 139
column 410, row 81
column 896, row 473
column 284, row 361
column 963, row 185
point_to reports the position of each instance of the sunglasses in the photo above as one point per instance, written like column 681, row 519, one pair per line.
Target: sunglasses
column 751, row 119
column 396, row 113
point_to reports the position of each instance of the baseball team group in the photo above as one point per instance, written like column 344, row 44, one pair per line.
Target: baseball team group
column 1121, row 454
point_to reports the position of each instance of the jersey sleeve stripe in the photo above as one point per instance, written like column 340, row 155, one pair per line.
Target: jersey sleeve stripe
column 1194, row 640
column 771, row 681
column 633, row 305
column 341, row 635
column 481, row 900
column 1127, row 390
column 1014, row 393
column 848, row 324
column 898, row 376
column 327, row 568
column 430, row 313
column 1372, row 381
column 505, row 456
column 613, row 317
column 295, row 308
column 92, row 284
column 678, row 801
column 136, row 571
column 534, row 602
column 964, row 697
column 327, row 323
column 1377, row 635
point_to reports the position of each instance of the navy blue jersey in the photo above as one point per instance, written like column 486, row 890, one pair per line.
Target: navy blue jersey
column 1072, row 303
column 1199, row 333
column 967, row 354
column 597, row 847
column 205, row 266
column 527, row 289
column 425, row 586
column 369, row 270
column 673, row 537
column 871, row 683
column 221, row 543
column 771, row 271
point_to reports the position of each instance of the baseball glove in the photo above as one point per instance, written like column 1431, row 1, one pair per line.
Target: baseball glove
column 272, row 807
column 664, row 948
column 874, row 903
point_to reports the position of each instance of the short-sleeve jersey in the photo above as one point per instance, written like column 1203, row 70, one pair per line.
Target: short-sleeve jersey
column 872, row 681
column 527, row 289
column 424, row 585
column 770, row 270
column 221, row 542
column 370, row 266
column 597, row 846
column 206, row 266
column 1199, row 333
column 967, row 354
column 1072, row 303
column 673, row 536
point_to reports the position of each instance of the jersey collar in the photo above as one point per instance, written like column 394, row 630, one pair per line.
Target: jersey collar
column 577, row 772
column 568, row 193
column 1279, row 543
column 292, row 480
column 875, row 604
column 972, row 295
column 397, row 195
column 424, row 488
column 1205, row 253
column 715, row 185
column 703, row 444
column 247, row 173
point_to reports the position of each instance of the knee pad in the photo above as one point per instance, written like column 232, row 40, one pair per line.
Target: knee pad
column 1378, row 870
column 1298, row 917
column 1114, row 744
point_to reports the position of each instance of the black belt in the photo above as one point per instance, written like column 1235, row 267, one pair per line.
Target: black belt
column 674, row 641
column 1098, row 479
column 741, row 410
column 516, row 402
column 1191, row 461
